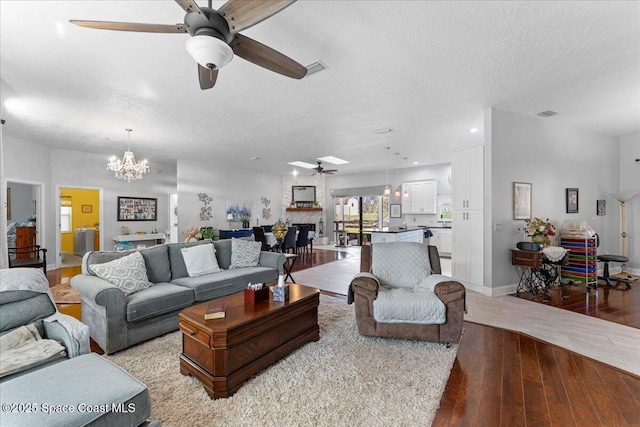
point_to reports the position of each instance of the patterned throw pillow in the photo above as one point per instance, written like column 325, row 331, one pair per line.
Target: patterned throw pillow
column 244, row 253
column 128, row 273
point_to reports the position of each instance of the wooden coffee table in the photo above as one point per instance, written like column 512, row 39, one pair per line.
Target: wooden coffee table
column 223, row 353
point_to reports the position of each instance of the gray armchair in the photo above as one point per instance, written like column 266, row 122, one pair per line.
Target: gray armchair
column 25, row 300
column 400, row 293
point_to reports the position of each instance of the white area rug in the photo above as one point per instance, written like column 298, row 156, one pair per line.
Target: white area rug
column 344, row 379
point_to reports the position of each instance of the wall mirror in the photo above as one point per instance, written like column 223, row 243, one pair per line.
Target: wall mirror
column 303, row 193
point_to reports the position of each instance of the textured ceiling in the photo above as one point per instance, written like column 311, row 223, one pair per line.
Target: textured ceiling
column 424, row 69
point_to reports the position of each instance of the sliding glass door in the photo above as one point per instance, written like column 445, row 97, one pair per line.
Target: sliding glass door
column 357, row 216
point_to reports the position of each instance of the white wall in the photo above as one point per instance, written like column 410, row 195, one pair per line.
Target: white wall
column 21, row 198
column 222, row 185
column 630, row 181
column 552, row 158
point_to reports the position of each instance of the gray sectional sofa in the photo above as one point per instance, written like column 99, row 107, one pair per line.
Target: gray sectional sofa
column 117, row 321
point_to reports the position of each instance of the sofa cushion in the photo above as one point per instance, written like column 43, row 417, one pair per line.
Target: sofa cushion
column 128, row 273
column 101, row 257
column 400, row 264
column 223, row 252
column 404, row 305
column 23, row 349
column 77, row 383
column 200, row 260
column 156, row 259
column 161, row 298
column 244, row 253
column 178, row 267
column 226, row 281
column 17, row 312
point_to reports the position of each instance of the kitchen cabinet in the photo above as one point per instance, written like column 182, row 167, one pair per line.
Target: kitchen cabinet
column 467, row 256
column 422, row 197
column 467, row 171
column 441, row 239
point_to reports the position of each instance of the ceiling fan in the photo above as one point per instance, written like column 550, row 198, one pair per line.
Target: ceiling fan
column 320, row 170
column 215, row 36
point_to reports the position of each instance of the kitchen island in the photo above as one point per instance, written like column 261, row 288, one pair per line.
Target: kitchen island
column 397, row 234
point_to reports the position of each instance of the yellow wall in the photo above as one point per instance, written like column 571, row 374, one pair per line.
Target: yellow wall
column 80, row 219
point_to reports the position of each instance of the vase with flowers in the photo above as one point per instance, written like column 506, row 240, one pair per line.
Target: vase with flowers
column 540, row 230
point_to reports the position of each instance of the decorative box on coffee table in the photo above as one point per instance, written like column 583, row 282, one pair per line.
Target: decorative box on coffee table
column 223, row 353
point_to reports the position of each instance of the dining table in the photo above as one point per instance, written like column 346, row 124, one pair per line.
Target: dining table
column 272, row 241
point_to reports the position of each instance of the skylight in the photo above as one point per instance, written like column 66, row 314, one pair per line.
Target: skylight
column 302, row 164
column 333, row 160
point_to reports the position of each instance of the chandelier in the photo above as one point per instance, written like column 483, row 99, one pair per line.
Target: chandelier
column 127, row 168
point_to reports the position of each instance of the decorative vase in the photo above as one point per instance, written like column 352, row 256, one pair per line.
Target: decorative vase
column 539, row 238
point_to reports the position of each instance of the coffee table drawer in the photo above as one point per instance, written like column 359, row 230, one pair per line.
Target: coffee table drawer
column 193, row 331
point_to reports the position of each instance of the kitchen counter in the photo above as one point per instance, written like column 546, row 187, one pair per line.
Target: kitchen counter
column 397, row 234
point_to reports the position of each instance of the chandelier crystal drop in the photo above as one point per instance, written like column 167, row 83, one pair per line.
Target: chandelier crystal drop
column 127, row 168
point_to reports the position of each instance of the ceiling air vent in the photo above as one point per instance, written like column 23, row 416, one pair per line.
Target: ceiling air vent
column 315, row 67
column 547, row 113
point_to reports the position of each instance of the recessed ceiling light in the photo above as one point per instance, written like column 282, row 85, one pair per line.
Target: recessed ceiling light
column 383, row 130
column 302, row 164
column 333, row 160
column 415, row 163
column 547, row 113
column 254, row 158
column 473, row 130
column 295, row 172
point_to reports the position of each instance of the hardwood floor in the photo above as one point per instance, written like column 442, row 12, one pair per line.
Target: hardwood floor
column 504, row 378
column 613, row 304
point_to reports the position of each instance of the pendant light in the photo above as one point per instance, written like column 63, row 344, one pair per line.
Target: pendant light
column 387, row 188
column 396, row 194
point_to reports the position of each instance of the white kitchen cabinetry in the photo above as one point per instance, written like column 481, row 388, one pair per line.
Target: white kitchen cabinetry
column 442, row 240
column 422, row 197
column 467, row 256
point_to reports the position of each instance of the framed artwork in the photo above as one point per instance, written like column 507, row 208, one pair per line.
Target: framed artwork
column 87, row 208
column 137, row 209
column 395, row 211
column 522, row 200
column 601, row 207
column 8, row 203
column 238, row 210
column 572, row 200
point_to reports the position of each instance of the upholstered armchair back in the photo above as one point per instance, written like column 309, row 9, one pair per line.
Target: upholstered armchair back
column 400, row 264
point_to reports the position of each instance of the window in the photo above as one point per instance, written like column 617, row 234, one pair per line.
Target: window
column 65, row 219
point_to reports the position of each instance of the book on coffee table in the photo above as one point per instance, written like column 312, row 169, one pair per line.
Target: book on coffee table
column 215, row 310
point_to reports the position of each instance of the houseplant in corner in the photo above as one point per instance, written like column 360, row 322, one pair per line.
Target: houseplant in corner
column 539, row 230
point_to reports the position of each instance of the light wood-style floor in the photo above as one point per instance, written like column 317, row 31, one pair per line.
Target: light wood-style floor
column 507, row 378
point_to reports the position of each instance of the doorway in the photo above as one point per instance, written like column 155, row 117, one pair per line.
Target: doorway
column 25, row 211
column 357, row 216
column 79, row 224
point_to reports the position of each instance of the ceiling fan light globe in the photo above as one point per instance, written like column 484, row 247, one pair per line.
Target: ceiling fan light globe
column 210, row 52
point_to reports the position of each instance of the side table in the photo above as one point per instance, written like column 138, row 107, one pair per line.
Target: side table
column 537, row 274
column 290, row 260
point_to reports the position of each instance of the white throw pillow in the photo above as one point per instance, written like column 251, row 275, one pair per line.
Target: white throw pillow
column 244, row 253
column 128, row 273
column 200, row 260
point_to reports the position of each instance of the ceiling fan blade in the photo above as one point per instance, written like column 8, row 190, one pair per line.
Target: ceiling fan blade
column 189, row 6
column 130, row 26
column 266, row 57
column 242, row 14
column 207, row 77
column 330, row 171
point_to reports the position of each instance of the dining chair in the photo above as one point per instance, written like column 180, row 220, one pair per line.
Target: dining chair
column 302, row 242
column 289, row 241
column 259, row 236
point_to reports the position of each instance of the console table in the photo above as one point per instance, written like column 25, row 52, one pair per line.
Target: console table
column 537, row 273
column 155, row 238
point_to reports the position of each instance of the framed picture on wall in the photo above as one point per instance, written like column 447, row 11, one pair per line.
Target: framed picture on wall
column 521, row 200
column 601, row 207
column 87, row 208
column 395, row 211
column 137, row 209
column 572, row 200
